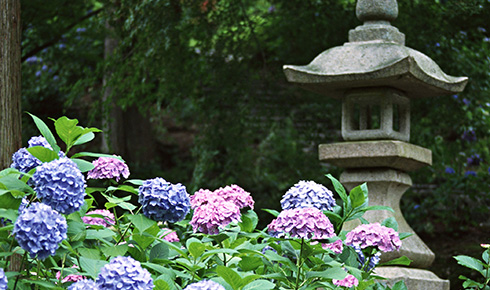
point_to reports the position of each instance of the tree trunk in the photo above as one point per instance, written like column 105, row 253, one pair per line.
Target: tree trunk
column 10, row 111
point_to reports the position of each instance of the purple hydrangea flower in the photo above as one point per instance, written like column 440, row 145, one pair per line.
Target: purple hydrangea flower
column 214, row 214
column 470, row 172
column 39, row 230
column 106, row 221
column 24, row 161
column 170, row 235
column 107, row 167
column 337, row 247
column 202, row 196
column 163, row 201
column 60, row 184
column 70, row 277
column 205, row 285
column 3, row 280
column 469, row 135
column 473, row 160
column 374, row 235
column 124, row 273
column 308, row 194
column 237, row 195
column 305, row 222
column 348, row 281
column 85, row 284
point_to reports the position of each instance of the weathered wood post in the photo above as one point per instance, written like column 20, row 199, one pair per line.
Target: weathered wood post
column 376, row 75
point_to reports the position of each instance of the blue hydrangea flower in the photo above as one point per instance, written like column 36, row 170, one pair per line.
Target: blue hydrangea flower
column 124, row 273
column 39, row 230
column 85, row 284
column 3, row 280
column 60, row 184
column 163, row 201
column 450, row 170
column 308, row 194
column 205, row 285
column 39, row 141
column 23, row 161
column 373, row 261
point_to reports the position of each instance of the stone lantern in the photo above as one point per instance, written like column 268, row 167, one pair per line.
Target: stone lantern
column 375, row 76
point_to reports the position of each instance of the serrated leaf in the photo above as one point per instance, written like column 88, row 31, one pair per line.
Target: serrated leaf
column 250, row 263
column 358, row 196
column 69, row 132
column 400, row 285
column 259, row 284
column 331, row 273
column 89, row 253
column 76, row 231
column 161, row 285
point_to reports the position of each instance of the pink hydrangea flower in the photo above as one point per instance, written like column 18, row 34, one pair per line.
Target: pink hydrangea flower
column 237, row 195
column 71, row 277
column 107, row 168
column 170, row 236
column 348, row 281
column 336, row 246
column 217, row 213
column 374, row 235
column 107, row 220
column 202, row 196
column 307, row 222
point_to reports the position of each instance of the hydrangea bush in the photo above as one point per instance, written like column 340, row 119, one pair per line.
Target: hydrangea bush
column 62, row 230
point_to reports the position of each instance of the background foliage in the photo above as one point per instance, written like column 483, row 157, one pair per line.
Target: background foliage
column 200, row 95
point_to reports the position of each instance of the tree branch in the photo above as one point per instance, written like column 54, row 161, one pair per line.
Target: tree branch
column 57, row 38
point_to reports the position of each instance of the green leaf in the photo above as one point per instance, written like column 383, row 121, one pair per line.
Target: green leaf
column 85, row 138
column 43, row 128
column 250, row 263
column 402, row 261
column 126, row 188
column 114, row 251
column 99, row 234
column 143, row 240
column 486, row 256
column 159, row 251
column 390, row 223
column 76, row 231
column 470, row 262
column 378, row 207
column 96, row 155
column 404, row 235
column 11, row 182
column 400, row 285
column 7, row 201
column 230, row 276
column 339, row 188
column 89, row 253
column 141, row 222
column 331, row 273
column 249, row 221
column 161, row 285
column 358, row 196
column 42, row 153
column 10, row 214
column 69, row 132
column 259, row 284
column 196, row 249
column 91, row 266
column 83, row 165
column 44, row 284
column 273, row 212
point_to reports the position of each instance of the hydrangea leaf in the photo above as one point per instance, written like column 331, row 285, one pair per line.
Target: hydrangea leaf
column 91, row 266
column 114, row 251
column 76, row 231
column 141, row 222
column 11, row 182
column 249, row 221
column 401, row 261
column 83, row 165
column 250, row 263
column 339, row 188
column 390, row 223
column 196, row 249
column 230, row 276
column 43, row 128
column 331, row 273
column 400, row 285
column 161, row 285
column 96, row 155
column 470, row 262
column 259, row 284
column 10, row 214
column 42, row 153
column 85, row 138
column 159, row 251
column 8, row 201
column 359, row 196
column 69, row 132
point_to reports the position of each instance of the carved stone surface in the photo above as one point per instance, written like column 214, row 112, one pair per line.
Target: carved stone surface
column 415, row 279
column 374, row 154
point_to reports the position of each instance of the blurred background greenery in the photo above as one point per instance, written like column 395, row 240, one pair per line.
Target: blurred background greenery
column 193, row 91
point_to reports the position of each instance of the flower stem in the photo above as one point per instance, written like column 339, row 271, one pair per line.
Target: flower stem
column 21, row 268
column 299, row 264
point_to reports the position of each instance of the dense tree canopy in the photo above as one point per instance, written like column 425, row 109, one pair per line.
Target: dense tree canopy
column 205, row 77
